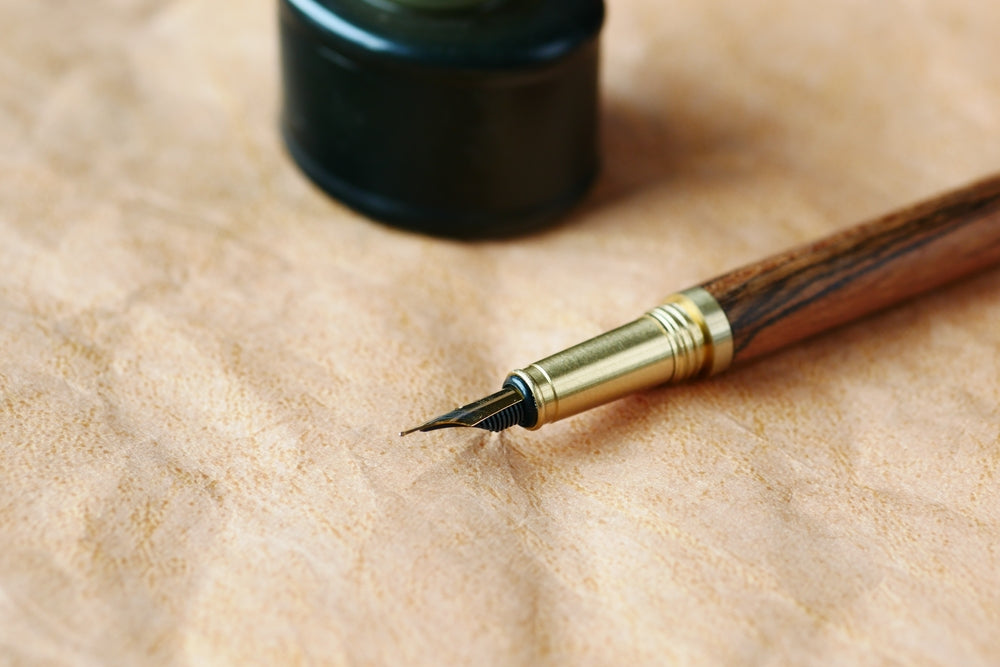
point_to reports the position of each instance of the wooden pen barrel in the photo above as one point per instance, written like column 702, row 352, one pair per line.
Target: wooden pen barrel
column 817, row 286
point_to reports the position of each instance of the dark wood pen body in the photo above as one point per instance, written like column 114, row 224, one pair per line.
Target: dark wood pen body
column 815, row 287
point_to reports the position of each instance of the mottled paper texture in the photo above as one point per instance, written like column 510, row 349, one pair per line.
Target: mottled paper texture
column 204, row 363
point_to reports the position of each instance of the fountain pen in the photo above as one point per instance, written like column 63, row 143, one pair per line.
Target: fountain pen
column 754, row 310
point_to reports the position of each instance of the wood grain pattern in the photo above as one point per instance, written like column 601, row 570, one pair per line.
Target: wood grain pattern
column 862, row 269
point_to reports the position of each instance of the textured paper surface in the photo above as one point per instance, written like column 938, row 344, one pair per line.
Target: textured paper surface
column 205, row 363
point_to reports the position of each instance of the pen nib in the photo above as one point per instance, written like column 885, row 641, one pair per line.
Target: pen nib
column 493, row 413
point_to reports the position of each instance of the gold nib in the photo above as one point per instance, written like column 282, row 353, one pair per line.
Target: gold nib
column 493, row 413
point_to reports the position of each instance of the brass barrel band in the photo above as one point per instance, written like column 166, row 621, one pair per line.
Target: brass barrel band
column 688, row 336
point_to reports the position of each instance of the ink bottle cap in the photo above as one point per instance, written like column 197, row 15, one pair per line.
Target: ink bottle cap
column 460, row 118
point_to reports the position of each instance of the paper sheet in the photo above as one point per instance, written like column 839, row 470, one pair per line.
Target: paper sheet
column 205, row 363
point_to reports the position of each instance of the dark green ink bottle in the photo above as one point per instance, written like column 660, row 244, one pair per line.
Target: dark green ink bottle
column 461, row 118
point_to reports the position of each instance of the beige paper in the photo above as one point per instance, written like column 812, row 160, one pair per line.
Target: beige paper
column 204, row 363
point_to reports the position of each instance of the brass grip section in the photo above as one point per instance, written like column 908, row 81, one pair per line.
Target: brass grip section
column 688, row 336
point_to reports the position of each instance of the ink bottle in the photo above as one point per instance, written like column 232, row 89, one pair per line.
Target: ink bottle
column 459, row 118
